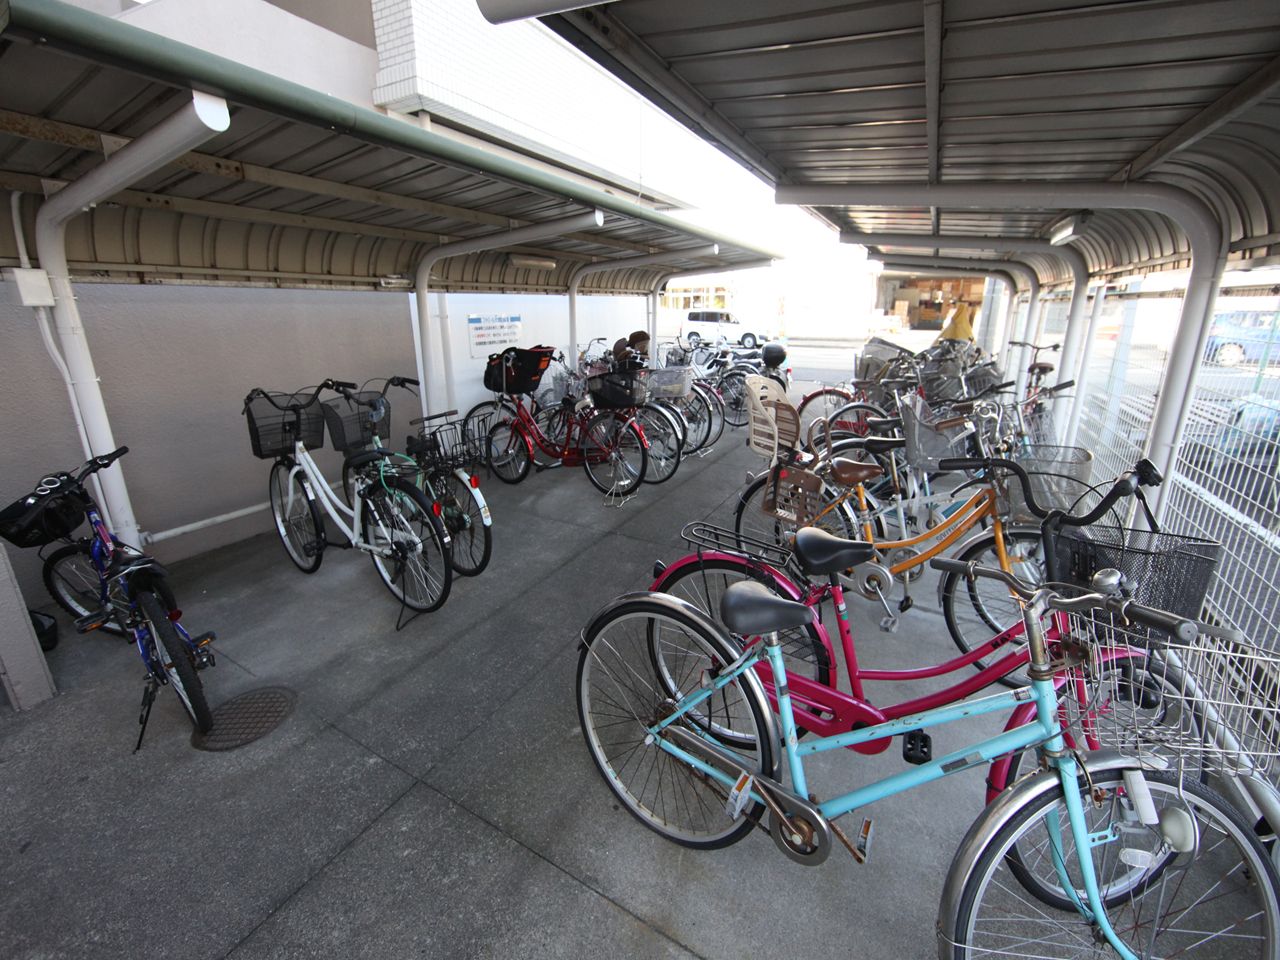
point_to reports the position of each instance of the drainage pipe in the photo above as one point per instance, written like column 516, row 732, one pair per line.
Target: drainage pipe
column 490, row 241
column 1193, row 215
column 604, row 266
column 1067, row 254
column 1082, row 378
column 194, row 123
column 46, row 334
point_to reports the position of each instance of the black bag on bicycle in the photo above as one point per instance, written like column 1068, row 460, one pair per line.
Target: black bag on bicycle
column 49, row 513
column 517, row 370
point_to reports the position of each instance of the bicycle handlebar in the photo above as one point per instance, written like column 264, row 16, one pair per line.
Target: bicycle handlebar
column 100, row 463
column 1179, row 627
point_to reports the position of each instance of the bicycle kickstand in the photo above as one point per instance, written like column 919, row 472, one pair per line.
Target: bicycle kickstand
column 148, row 698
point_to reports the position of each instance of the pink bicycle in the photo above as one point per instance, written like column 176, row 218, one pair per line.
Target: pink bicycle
column 810, row 574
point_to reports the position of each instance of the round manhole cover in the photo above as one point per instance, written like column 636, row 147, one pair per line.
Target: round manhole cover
column 245, row 718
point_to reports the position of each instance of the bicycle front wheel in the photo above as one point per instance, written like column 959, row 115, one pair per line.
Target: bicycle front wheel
column 733, row 390
column 614, row 454
column 751, row 520
column 72, row 580
column 619, row 699
column 177, row 661
column 407, row 545
column 715, row 407
column 298, row 521
column 663, row 434
column 509, row 452
column 1196, row 884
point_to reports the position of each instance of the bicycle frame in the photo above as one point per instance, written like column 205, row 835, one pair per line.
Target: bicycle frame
column 318, row 489
column 828, row 711
column 572, row 454
column 1045, row 729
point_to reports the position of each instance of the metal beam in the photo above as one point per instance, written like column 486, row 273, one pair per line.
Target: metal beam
column 493, row 241
column 1226, row 108
column 933, row 83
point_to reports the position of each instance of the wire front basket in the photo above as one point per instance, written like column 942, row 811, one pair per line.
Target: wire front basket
column 670, row 383
column 457, row 444
column 928, row 444
column 1212, row 704
column 1169, row 571
column 273, row 432
column 1059, row 479
column 351, row 428
column 1039, row 424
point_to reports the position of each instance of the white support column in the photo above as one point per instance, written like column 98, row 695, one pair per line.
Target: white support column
column 193, row 124
column 986, row 317
column 1082, row 377
column 24, row 674
column 491, row 241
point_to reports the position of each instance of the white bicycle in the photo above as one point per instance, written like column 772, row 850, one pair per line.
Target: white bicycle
column 389, row 518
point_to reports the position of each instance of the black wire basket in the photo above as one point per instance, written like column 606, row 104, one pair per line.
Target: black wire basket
column 350, row 427
column 619, row 390
column 273, row 432
column 1169, row 571
column 458, row 444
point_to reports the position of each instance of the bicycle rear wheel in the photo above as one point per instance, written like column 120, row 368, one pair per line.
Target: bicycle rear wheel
column 663, row 434
column 1216, row 899
column 821, row 403
column 716, row 406
column 509, row 452
column 177, row 661
column 619, row 699
column 750, row 519
column 470, row 539
column 396, row 519
column 613, row 453
column 733, row 390
column 298, row 520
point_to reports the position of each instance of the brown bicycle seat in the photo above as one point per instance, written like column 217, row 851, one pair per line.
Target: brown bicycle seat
column 1040, row 367
column 850, row 472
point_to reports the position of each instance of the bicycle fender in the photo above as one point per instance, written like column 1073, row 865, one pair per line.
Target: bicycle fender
column 475, row 493
column 960, row 549
column 992, row 819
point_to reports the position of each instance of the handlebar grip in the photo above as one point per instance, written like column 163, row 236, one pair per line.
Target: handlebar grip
column 1019, row 343
column 344, row 385
column 952, row 464
column 1178, row 627
column 402, row 382
column 113, row 456
column 1007, row 385
column 1065, row 385
column 947, row 565
column 1055, row 346
column 951, row 422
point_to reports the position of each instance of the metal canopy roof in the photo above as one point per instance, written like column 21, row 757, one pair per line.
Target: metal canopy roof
column 303, row 189
column 948, row 91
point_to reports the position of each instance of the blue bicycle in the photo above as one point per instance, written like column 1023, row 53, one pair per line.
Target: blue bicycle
column 106, row 584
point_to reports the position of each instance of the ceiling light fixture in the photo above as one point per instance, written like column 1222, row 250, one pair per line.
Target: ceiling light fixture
column 1068, row 229
column 531, row 263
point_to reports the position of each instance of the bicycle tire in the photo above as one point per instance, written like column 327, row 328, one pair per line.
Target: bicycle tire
column 822, row 402
column 420, row 579
column 470, row 538
column 750, row 520
column 716, row 405
column 616, row 704
column 678, row 418
column 175, row 659
column 504, row 405
column 614, row 456
column 509, row 452
column 554, row 424
column 733, row 391
column 976, row 611
column 694, row 412
column 72, row 581
column 702, row 584
column 301, row 532
column 665, row 449
column 851, row 420
column 1227, row 861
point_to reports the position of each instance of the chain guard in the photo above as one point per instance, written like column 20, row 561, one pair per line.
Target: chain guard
column 902, row 555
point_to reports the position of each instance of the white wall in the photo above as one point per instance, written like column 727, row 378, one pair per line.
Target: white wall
column 175, row 363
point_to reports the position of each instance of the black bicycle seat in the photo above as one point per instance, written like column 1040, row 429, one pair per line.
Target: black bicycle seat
column 820, row 552
column 748, row 608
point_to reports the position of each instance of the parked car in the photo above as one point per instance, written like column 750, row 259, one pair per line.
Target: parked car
column 1243, row 336
column 710, row 326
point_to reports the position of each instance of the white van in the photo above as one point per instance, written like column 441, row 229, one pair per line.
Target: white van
column 709, row 326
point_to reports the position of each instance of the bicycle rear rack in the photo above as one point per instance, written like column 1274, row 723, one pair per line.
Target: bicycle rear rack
column 699, row 533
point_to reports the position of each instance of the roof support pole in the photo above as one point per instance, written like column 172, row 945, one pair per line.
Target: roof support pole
column 1204, row 233
column 986, row 317
column 603, row 266
column 1082, row 378
column 1069, row 255
column 490, row 241
column 193, row 124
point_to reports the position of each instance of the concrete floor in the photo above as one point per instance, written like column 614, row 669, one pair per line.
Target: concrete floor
column 431, row 795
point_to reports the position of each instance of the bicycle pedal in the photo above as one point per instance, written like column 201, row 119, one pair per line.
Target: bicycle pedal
column 862, row 846
column 204, row 639
column 905, row 604
column 889, row 624
column 92, row 621
column 917, row 747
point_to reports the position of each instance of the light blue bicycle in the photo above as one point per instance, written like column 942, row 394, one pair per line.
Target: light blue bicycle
column 1092, row 855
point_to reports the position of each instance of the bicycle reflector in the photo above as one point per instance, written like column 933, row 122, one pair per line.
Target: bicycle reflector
column 175, row 615
column 475, row 482
column 436, row 508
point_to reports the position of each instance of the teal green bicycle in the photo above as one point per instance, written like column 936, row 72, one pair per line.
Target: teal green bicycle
column 1106, row 854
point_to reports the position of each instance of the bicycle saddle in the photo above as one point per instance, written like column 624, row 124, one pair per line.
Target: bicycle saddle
column 748, row 608
column 883, row 424
column 850, row 472
column 881, row 445
column 1040, row 367
column 822, row 552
